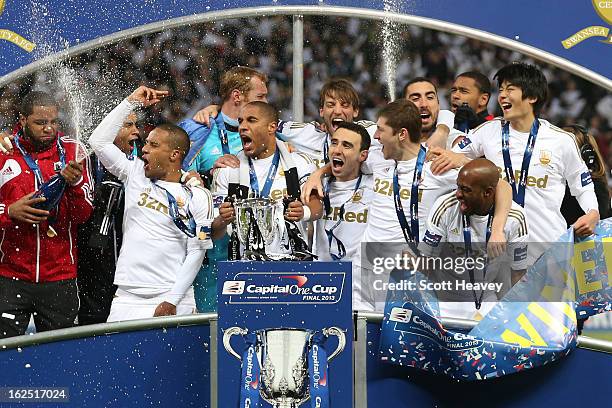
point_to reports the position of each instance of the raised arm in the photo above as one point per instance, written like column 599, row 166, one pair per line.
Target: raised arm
column 103, row 136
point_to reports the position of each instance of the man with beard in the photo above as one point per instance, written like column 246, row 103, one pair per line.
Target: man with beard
column 167, row 225
column 264, row 167
column 437, row 125
column 459, row 227
column 402, row 195
column 99, row 239
column 38, row 268
column 536, row 157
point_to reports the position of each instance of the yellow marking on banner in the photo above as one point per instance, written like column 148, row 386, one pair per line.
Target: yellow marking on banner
column 551, row 293
column 581, row 267
column 1, row 7
column 16, row 39
column 567, row 309
column 534, row 337
column 547, row 318
column 606, row 243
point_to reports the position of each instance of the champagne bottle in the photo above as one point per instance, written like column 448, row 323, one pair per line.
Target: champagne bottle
column 53, row 191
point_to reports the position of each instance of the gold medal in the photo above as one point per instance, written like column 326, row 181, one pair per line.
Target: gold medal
column 51, row 233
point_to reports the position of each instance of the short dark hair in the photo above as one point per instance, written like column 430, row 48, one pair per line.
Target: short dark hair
column 177, row 137
column 416, row 80
column 403, row 114
column 238, row 78
column 482, row 82
column 269, row 111
column 36, row 98
column 360, row 130
column 529, row 78
column 340, row 88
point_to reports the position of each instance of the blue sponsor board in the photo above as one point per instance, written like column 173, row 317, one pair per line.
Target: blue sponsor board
column 285, row 334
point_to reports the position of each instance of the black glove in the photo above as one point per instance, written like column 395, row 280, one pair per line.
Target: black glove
column 465, row 118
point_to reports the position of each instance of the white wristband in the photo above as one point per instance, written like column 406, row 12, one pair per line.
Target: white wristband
column 307, row 214
column 447, row 118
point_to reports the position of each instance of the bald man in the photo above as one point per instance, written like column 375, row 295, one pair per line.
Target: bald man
column 458, row 227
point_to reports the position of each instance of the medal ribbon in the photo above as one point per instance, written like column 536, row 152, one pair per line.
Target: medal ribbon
column 467, row 241
column 173, row 210
column 518, row 192
column 222, row 133
column 326, row 149
column 411, row 232
column 33, row 165
column 265, row 191
column 328, row 209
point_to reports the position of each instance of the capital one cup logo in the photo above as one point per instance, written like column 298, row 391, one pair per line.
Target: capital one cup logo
column 249, row 381
column 604, row 10
column 13, row 37
column 318, row 381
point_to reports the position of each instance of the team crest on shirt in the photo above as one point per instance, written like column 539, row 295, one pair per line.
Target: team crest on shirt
column 357, row 196
column 545, row 156
column 455, row 231
column 281, row 172
column 180, row 201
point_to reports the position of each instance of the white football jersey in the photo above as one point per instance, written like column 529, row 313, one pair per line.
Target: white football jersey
column 444, row 239
column 555, row 161
column 154, row 248
column 353, row 223
column 304, row 166
column 383, row 224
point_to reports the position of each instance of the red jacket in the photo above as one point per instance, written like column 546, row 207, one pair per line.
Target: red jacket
column 26, row 252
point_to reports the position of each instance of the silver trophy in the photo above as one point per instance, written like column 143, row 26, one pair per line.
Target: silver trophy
column 264, row 212
column 283, row 358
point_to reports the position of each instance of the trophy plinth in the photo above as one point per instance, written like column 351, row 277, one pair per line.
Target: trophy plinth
column 283, row 356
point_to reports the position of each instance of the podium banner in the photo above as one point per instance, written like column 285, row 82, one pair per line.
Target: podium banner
column 533, row 325
column 286, row 331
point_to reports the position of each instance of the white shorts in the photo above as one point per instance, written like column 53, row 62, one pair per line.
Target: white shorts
column 127, row 306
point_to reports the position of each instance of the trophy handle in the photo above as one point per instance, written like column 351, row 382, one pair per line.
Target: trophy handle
column 227, row 335
column 339, row 333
